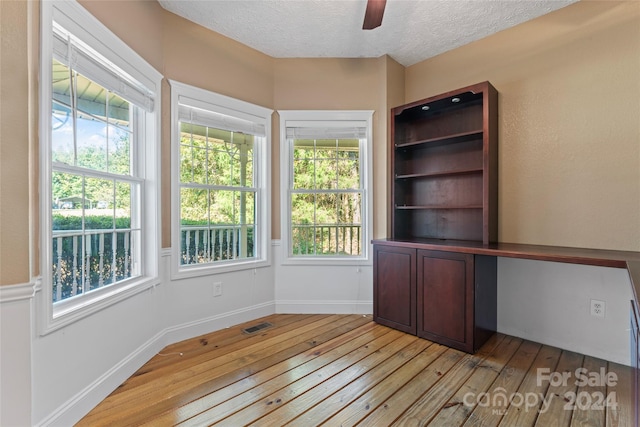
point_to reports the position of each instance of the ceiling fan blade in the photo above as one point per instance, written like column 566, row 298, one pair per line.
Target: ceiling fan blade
column 373, row 14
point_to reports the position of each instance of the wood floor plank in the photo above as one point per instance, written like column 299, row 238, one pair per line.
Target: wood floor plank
column 365, row 369
column 180, row 382
column 619, row 414
column 457, row 409
column 305, row 375
column 555, row 414
column 428, row 365
column 525, row 414
column 345, row 370
column 416, row 395
column 506, row 384
column 323, row 402
column 589, row 408
column 359, row 333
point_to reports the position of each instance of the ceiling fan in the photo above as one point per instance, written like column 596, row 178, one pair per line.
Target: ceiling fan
column 373, row 14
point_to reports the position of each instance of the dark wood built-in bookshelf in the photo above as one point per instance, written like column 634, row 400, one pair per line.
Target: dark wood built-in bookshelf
column 444, row 163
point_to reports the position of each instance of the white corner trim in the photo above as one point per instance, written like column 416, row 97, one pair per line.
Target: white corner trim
column 19, row 292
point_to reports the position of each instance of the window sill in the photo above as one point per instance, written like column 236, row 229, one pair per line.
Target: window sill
column 196, row 270
column 88, row 305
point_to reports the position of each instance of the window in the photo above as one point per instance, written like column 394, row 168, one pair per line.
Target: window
column 220, row 153
column 99, row 166
column 325, row 179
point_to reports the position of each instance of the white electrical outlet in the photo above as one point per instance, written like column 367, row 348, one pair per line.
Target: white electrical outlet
column 217, row 289
column 597, row 308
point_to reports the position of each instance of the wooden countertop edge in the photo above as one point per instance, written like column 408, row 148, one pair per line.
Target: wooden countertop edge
column 597, row 257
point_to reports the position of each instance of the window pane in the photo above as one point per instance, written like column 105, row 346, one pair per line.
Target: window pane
column 302, row 239
column 67, row 265
column 61, row 82
column 245, row 201
column 199, row 165
column 223, row 208
column 326, row 149
column 118, row 111
column 62, row 134
column 99, row 195
column 194, row 219
column 350, row 224
column 123, row 203
column 303, row 174
column 62, row 145
column 91, row 98
column 326, row 174
column 302, row 209
column 66, row 192
column 326, row 208
column 348, row 174
column 194, row 207
column 91, row 141
column 186, row 164
column 119, row 150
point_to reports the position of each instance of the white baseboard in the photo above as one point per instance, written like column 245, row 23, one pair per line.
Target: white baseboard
column 324, row 307
column 215, row 323
column 79, row 405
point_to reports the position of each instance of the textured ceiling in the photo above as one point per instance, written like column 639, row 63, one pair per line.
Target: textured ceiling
column 411, row 31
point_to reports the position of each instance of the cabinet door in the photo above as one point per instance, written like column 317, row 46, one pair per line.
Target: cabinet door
column 394, row 287
column 445, row 298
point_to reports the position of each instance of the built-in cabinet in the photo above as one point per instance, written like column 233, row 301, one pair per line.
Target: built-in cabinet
column 446, row 297
column 444, row 188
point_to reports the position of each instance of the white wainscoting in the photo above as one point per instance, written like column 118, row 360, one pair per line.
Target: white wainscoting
column 15, row 360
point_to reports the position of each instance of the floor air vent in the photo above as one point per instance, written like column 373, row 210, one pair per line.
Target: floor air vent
column 256, row 328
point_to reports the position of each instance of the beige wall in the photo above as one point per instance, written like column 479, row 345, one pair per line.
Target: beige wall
column 16, row 86
column 202, row 58
column 569, row 124
column 569, row 113
column 333, row 84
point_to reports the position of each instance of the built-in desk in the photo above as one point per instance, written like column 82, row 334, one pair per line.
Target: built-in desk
column 395, row 254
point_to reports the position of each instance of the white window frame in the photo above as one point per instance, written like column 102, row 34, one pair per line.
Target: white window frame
column 319, row 118
column 98, row 38
column 235, row 109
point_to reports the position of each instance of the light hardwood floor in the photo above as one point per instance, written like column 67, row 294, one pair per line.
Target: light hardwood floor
column 343, row 370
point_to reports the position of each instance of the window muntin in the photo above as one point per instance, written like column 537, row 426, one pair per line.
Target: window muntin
column 98, row 196
column 326, row 198
column 93, row 186
column 220, row 183
column 217, row 194
column 325, row 181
